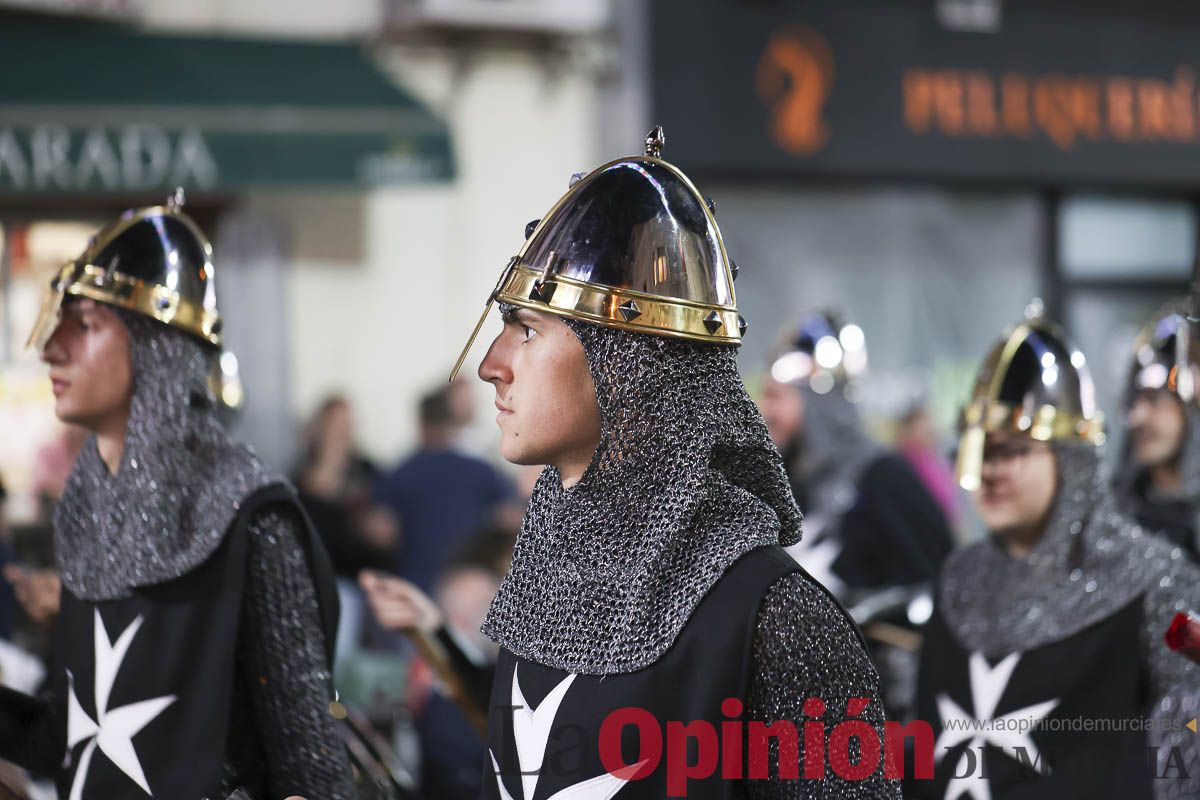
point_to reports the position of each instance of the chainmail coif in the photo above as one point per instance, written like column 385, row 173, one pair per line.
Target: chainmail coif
column 1090, row 562
column 179, row 484
column 1189, row 467
column 168, row 508
column 827, row 456
column 685, row 480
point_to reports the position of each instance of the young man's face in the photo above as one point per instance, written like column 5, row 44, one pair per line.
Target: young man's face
column 782, row 407
column 544, row 391
column 1156, row 427
column 91, row 370
column 1019, row 481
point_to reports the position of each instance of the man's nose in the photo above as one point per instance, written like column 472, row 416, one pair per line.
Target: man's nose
column 989, row 470
column 1137, row 413
column 54, row 352
column 496, row 367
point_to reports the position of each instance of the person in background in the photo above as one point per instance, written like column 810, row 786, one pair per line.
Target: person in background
column 1043, row 671
column 335, row 482
column 36, row 589
column 1159, row 485
column 451, row 748
column 440, row 495
column 194, row 628
column 917, row 440
column 869, row 522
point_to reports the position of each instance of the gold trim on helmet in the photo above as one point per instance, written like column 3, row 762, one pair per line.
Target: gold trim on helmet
column 154, row 301
column 619, row 308
column 82, row 278
column 541, row 287
column 50, row 314
column 678, row 317
column 984, row 413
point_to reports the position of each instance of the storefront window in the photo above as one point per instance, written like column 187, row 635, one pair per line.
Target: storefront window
column 1105, row 237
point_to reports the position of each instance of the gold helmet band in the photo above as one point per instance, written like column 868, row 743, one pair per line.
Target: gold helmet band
column 1034, row 381
column 153, row 261
column 632, row 245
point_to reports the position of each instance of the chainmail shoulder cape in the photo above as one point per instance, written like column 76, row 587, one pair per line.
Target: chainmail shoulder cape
column 1090, row 562
column 180, row 482
column 685, row 480
column 829, row 456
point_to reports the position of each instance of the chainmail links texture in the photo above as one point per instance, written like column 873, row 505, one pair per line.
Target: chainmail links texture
column 180, row 480
column 179, row 487
column 830, row 452
column 1182, row 781
column 805, row 647
column 685, row 480
column 1090, row 563
column 282, row 732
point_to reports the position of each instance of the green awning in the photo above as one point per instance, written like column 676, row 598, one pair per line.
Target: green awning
column 88, row 107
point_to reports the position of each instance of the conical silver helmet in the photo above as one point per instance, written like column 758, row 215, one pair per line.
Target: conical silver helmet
column 1034, row 381
column 154, row 261
column 1166, row 354
column 631, row 245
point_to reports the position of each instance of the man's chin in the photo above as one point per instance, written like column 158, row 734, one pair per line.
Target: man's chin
column 519, row 456
column 1152, row 459
column 66, row 414
column 69, row 415
column 998, row 522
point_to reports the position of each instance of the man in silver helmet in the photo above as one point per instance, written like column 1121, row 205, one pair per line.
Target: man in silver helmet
column 870, row 523
column 196, row 609
column 1160, row 482
column 649, row 604
column 1044, row 671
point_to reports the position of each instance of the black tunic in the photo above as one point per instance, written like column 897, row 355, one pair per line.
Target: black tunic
column 895, row 533
column 765, row 636
column 180, row 690
column 1087, row 693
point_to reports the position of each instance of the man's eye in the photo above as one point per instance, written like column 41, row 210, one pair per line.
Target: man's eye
column 529, row 332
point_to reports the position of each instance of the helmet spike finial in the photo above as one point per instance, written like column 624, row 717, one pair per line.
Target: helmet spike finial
column 655, row 140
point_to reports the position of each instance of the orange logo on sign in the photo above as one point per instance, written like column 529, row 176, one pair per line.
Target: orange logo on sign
column 794, row 77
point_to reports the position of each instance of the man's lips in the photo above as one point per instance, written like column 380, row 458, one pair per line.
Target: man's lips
column 1142, row 437
column 58, row 386
column 503, row 409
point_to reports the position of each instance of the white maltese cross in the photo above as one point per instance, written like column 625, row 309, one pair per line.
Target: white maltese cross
column 531, row 730
column 1008, row 733
column 113, row 729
